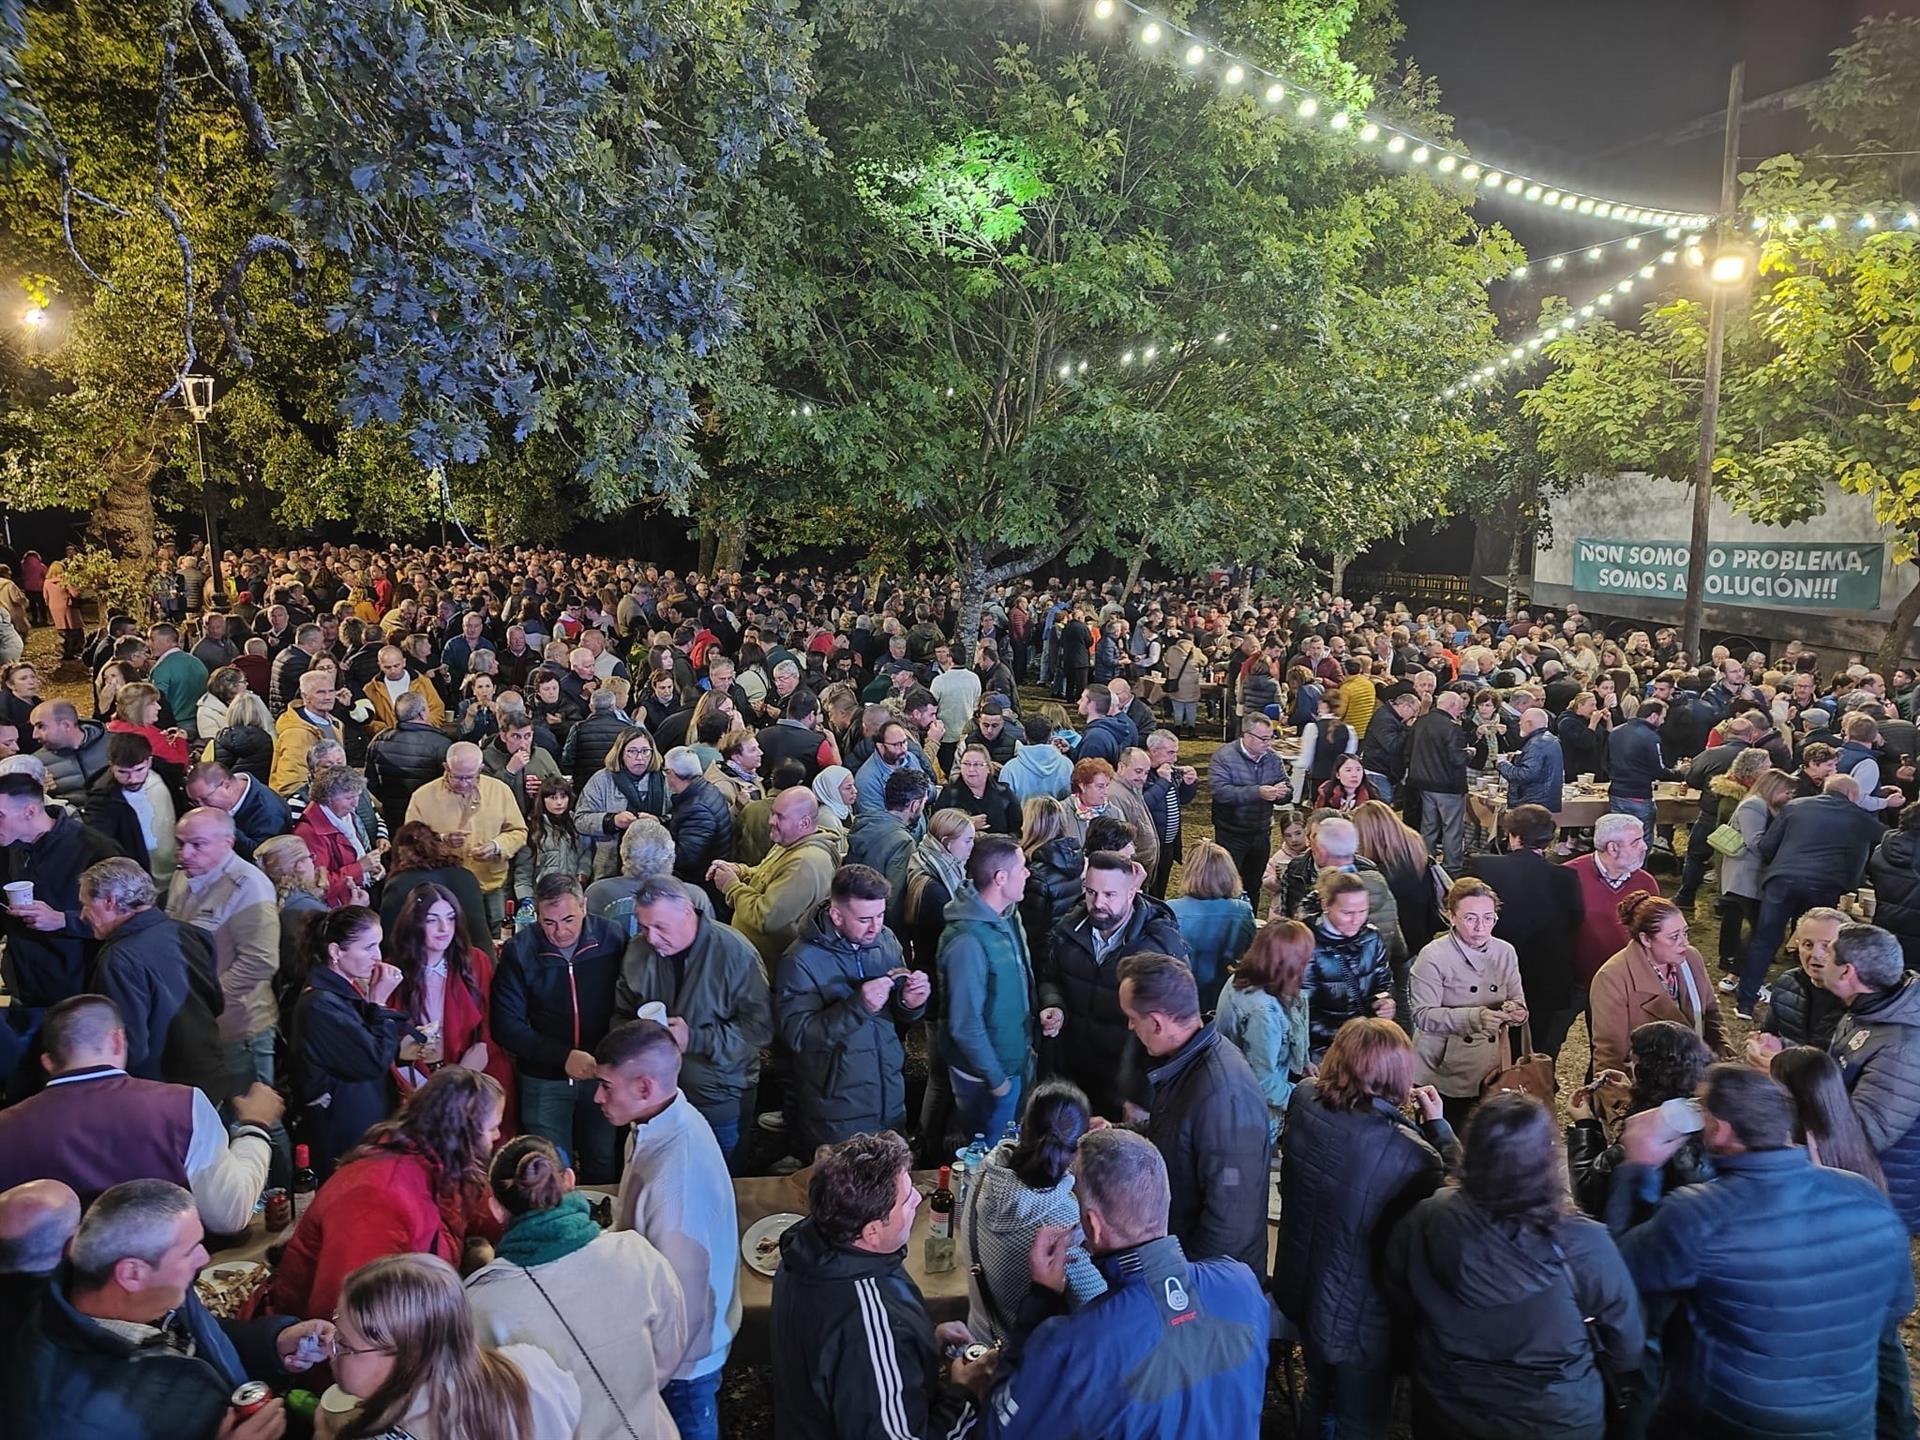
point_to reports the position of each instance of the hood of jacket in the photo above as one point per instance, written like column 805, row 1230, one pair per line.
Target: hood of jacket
column 967, row 908
column 1483, row 1262
column 808, row 1256
column 1727, row 788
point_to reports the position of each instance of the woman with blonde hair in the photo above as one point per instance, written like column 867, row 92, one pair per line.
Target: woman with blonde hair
column 936, row 873
column 1402, row 856
column 407, row 1361
column 1762, row 798
column 288, row 863
column 244, row 745
column 1352, row 1165
column 1213, row 913
column 136, row 711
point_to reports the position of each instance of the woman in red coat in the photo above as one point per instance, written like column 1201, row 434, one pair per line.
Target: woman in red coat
column 415, row 1186
column 341, row 850
column 136, row 711
column 447, row 989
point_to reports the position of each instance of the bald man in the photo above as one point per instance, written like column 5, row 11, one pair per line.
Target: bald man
column 383, row 692
column 483, row 815
column 37, row 1220
column 772, row 900
column 1538, row 770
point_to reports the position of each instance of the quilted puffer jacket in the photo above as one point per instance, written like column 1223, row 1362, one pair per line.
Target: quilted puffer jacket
column 1877, row 1046
column 1348, row 1178
column 1344, row 975
column 1053, row 888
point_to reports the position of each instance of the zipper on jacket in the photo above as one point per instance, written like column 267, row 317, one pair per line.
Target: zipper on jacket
column 574, row 991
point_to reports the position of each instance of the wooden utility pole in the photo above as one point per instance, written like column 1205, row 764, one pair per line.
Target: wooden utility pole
column 1691, row 613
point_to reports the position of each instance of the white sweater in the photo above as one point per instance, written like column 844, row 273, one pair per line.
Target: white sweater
column 621, row 1302
column 677, row 1193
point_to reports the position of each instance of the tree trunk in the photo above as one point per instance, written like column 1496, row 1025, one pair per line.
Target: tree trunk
column 709, row 547
column 1523, row 522
column 732, row 554
column 1898, row 629
column 1340, row 563
column 973, row 597
column 1134, row 567
column 124, row 523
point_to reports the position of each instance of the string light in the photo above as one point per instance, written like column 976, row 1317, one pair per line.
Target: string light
column 1548, row 194
column 1866, row 218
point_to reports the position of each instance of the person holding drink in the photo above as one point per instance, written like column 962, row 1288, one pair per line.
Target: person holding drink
column 1465, row 991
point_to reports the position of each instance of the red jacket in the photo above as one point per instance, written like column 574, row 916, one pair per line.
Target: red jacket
column 464, row 1023
column 1601, row 936
column 372, row 1207
column 333, row 853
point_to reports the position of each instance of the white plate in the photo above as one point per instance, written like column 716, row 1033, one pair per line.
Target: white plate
column 769, row 1229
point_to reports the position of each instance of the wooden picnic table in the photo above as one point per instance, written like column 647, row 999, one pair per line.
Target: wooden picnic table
column 1580, row 808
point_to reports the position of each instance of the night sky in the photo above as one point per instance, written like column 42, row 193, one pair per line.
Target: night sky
column 1588, row 93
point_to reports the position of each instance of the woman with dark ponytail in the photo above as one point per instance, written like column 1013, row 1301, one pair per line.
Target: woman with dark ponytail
column 1025, row 1183
column 347, row 1036
column 605, row 1304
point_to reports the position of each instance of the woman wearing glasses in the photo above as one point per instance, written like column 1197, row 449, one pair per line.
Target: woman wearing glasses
column 406, row 1363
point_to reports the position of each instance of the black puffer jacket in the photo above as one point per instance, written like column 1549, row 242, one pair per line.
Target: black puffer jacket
column 702, row 829
column 1801, row 1012
column 1095, row 1048
column 1343, row 977
column 1591, row 1162
column 245, row 750
column 587, row 745
column 1349, row 1177
column 1500, row 1348
column 400, row 761
column 1053, row 888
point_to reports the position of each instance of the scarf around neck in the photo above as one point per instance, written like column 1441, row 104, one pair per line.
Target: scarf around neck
column 935, row 858
column 542, row 1236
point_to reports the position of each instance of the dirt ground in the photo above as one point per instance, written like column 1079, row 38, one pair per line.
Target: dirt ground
column 746, row 1399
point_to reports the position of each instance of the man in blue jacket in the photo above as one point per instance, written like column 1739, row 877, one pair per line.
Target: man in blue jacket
column 1634, row 763
column 1538, row 773
column 1774, row 1251
column 1106, row 734
column 1175, row 1348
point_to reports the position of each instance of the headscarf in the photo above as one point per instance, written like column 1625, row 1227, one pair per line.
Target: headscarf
column 826, row 789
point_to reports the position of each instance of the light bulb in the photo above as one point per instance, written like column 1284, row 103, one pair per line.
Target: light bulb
column 1606, row 299
column 1910, row 219
column 1150, row 33
column 1624, row 287
column 1586, row 207
column 1234, row 75
column 1082, row 367
column 949, row 392
column 1446, row 163
column 1552, row 197
column 1103, row 9
column 1369, row 132
column 1593, row 252
column 1276, row 92
column 1867, row 222
column 1519, row 272
column 1673, row 232
column 1308, row 108
column 1127, row 359
column 1397, row 144
column 1340, row 120
column 806, row 410
column 1827, row 222
column 1790, row 222
column 1633, row 242
column 1567, row 202
column 1419, row 155
column 1221, row 338
column 1148, row 353
column 1469, row 171
column 1646, row 272
column 1533, row 192
column 1516, row 185
column 1195, row 54
column 1586, row 311
column 1559, row 262
column 1493, row 179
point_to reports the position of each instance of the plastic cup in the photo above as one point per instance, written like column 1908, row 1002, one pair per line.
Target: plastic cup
column 18, row 893
column 653, row 1010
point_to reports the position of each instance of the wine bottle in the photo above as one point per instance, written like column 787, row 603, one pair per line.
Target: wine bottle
column 304, row 1183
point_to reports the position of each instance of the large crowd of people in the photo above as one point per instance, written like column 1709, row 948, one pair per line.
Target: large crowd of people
column 443, row 890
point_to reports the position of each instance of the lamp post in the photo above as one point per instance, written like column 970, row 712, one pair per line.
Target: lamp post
column 198, row 390
column 1729, row 267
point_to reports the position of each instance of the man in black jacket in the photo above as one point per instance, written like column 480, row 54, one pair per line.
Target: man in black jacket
column 1206, row 1117
column 1814, row 850
column 699, row 820
column 401, row 760
column 1437, row 768
column 46, row 938
column 795, row 736
column 854, row 1351
column 1383, row 749
column 1540, row 912
column 118, row 1347
column 1080, row 984
column 1634, row 764
column 161, row 974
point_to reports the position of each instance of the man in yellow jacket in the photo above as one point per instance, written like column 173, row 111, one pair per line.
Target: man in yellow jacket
column 302, row 726
column 391, row 683
column 483, row 813
column 772, row 900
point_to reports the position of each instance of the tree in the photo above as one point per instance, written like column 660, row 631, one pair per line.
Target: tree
column 1048, row 296
column 1820, row 383
column 505, row 219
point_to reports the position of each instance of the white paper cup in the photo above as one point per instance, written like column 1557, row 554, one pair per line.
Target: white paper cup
column 653, row 1010
column 18, row 893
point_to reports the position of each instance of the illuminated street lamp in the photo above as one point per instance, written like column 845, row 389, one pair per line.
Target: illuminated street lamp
column 34, row 317
column 1732, row 265
column 198, row 393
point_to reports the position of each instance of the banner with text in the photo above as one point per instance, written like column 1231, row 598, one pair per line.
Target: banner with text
column 1822, row 575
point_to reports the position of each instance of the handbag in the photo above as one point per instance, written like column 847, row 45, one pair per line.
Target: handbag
column 1529, row 1072
column 1727, row 839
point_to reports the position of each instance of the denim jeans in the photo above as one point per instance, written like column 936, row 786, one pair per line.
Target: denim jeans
column 1780, row 902
column 564, row 1112
column 1641, row 810
column 694, row 1405
column 978, row 1111
column 1348, row 1402
column 1185, row 712
column 249, row 1061
column 1443, row 825
column 728, row 1124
